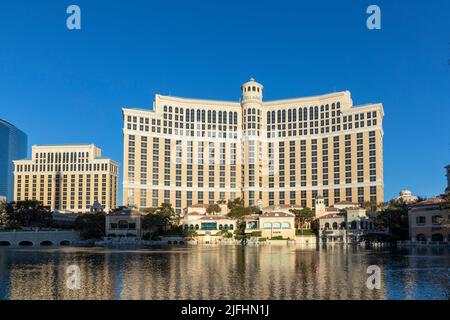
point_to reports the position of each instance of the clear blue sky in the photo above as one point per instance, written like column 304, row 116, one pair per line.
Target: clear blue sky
column 62, row 86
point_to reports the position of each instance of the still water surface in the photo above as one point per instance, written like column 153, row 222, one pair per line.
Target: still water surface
column 225, row 272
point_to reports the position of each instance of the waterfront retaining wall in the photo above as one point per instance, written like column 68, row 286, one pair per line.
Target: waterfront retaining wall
column 38, row 238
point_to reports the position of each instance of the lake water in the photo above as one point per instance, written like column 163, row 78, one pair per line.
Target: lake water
column 225, row 272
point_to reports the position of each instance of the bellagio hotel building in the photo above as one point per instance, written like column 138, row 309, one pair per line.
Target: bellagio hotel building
column 67, row 178
column 189, row 151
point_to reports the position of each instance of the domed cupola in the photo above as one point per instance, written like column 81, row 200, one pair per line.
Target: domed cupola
column 252, row 91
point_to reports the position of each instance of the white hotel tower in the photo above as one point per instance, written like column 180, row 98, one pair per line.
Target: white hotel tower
column 189, row 151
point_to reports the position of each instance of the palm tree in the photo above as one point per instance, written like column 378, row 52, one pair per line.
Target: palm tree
column 215, row 208
column 303, row 216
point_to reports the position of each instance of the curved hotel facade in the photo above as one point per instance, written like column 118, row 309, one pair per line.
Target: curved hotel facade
column 13, row 146
column 189, row 151
column 69, row 178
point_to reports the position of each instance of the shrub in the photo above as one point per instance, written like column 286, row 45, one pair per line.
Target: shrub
column 279, row 238
column 262, row 239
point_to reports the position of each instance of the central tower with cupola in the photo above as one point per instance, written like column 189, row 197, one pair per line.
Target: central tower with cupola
column 252, row 104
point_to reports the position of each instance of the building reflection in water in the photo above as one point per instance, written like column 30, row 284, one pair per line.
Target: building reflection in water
column 216, row 272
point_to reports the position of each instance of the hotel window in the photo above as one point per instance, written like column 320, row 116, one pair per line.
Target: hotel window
column 292, row 197
column 303, row 199
column 166, row 196
column 420, row 220
column 360, row 195
column 211, row 198
column 348, row 194
column 437, row 219
column 282, row 197
column 271, row 198
column 337, row 195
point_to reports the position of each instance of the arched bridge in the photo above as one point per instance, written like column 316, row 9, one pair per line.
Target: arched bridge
column 38, row 238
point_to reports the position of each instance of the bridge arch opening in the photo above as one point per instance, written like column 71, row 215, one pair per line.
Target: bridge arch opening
column 5, row 244
column 46, row 243
column 64, row 243
column 25, row 243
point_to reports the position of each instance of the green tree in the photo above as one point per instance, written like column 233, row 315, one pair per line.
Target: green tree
column 236, row 203
column 91, row 226
column 2, row 212
column 161, row 219
column 394, row 217
column 28, row 213
column 168, row 215
column 303, row 216
column 215, row 208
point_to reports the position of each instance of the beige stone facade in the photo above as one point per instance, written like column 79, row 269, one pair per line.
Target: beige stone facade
column 67, row 178
column 125, row 223
column 429, row 221
column 188, row 151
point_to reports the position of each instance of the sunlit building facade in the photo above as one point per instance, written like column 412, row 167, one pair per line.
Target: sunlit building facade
column 189, row 151
column 67, row 178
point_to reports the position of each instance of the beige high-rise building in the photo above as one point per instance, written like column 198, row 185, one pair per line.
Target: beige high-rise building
column 188, row 151
column 67, row 178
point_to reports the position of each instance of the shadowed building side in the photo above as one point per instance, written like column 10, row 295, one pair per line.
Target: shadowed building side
column 13, row 146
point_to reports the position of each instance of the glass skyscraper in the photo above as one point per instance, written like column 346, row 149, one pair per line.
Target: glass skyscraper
column 13, row 146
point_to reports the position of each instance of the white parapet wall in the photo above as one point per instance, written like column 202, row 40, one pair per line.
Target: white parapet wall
column 16, row 239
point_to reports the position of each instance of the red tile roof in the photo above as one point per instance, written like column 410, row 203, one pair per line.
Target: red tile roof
column 277, row 214
column 126, row 213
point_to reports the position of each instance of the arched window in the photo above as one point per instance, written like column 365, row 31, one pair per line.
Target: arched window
column 220, row 227
column 254, row 89
column 335, row 225
column 305, row 114
column 286, row 225
column 283, row 115
column 268, row 117
column 267, row 225
column 437, row 237
column 170, row 109
column 176, row 109
column 231, row 118
column 289, row 115
column 198, row 115
column 231, row 227
column 225, row 117
column 273, row 117
column 203, row 115
column 191, row 227
column 327, row 226
column 343, row 225
column 294, row 115
column 220, row 116
column 421, row 237
column 197, row 227
column 187, row 115
column 235, row 118
column 225, row 227
column 186, row 227
column 300, row 114
column 316, row 112
column 276, row 225
column 279, row 116
column 353, row 225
